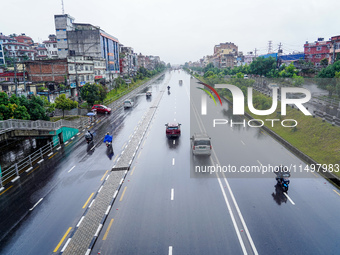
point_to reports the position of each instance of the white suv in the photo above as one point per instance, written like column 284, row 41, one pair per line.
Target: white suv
column 201, row 144
column 128, row 103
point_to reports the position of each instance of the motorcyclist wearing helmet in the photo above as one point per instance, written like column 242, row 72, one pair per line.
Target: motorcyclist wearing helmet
column 88, row 136
column 107, row 138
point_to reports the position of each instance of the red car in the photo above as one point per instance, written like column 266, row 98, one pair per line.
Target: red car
column 173, row 129
column 101, row 108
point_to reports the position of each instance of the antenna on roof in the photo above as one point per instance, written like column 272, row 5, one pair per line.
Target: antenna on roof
column 62, row 6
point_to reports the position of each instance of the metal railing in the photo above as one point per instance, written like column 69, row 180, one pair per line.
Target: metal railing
column 12, row 124
column 13, row 172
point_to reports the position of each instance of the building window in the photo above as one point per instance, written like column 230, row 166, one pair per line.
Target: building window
column 317, row 56
column 86, row 68
column 59, row 49
column 64, row 29
column 65, row 39
column 318, row 48
column 54, row 45
column 58, row 40
column 91, row 68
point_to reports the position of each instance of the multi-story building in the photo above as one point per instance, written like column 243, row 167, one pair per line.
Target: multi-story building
column 81, row 69
column 87, row 40
column 2, row 56
column 334, row 49
column 225, row 55
column 51, row 46
column 249, row 58
column 141, row 60
column 50, row 70
column 41, row 52
column 18, row 50
column 316, row 51
column 63, row 23
column 127, row 61
column 24, row 39
column 6, row 39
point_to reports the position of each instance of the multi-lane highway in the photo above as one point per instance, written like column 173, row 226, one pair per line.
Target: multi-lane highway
column 164, row 206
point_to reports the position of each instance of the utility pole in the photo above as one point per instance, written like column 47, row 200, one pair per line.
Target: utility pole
column 15, row 76
column 270, row 47
column 278, row 61
column 62, row 6
column 255, row 52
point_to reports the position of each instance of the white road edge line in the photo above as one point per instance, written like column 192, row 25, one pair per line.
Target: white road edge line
column 36, row 204
column 71, row 169
column 290, row 200
column 68, row 240
column 232, row 217
column 241, row 218
column 172, row 194
column 170, row 250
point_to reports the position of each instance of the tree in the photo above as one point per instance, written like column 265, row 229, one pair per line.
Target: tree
column 90, row 93
column 63, row 103
column 102, row 92
column 327, row 77
column 36, row 109
column 324, row 62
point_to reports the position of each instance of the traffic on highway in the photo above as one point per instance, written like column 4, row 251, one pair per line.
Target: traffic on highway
column 184, row 191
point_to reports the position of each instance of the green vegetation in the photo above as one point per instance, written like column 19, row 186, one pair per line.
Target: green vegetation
column 23, row 108
column 63, row 103
column 317, row 139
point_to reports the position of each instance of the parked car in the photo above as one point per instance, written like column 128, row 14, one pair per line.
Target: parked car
column 201, row 144
column 173, row 130
column 148, row 94
column 101, row 108
column 128, row 103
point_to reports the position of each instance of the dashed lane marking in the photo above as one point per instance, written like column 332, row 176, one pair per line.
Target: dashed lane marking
column 62, row 239
column 107, row 230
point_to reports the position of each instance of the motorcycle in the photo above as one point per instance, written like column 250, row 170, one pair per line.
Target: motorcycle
column 284, row 181
column 88, row 138
column 282, row 177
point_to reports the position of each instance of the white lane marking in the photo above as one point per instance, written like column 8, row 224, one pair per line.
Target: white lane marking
column 259, row 162
column 173, row 142
column 36, row 204
column 243, row 142
column 232, row 217
column 172, row 194
column 173, row 161
column 15, row 179
column 78, row 133
column 71, row 169
column 80, row 221
column 100, row 189
column 72, row 138
column 41, row 160
column 98, row 229
column 68, row 240
column 50, row 154
column 93, row 147
column 66, row 143
column 170, row 250
column 83, row 130
column 241, row 218
column 290, row 200
column 59, row 148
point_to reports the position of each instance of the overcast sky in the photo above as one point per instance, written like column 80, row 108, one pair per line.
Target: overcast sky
column 183, row 30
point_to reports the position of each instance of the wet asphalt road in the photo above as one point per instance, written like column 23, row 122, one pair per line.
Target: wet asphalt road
column 164, row 207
